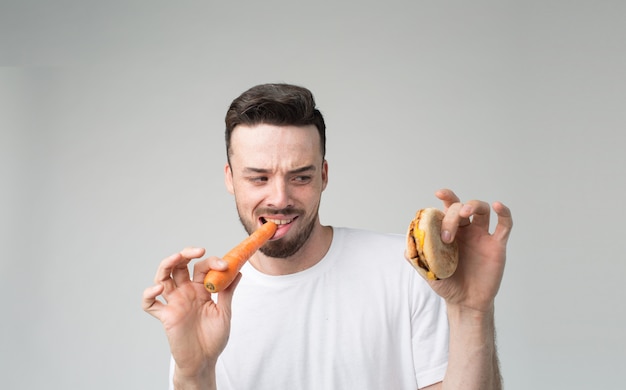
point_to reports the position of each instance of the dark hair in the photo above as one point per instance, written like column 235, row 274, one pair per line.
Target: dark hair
column 278, row 105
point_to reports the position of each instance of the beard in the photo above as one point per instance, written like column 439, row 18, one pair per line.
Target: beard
column 284, row 247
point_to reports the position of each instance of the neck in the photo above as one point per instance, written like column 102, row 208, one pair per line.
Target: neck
column 311, row 253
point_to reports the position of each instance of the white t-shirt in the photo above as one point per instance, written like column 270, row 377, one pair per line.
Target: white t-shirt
column 362, row 318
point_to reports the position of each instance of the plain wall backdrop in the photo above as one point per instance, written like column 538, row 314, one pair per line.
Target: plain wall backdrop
column 112, row 154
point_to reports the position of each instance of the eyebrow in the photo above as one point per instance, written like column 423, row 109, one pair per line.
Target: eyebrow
column 306, row 168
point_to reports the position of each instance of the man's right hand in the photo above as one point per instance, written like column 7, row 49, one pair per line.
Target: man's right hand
column 197, row 328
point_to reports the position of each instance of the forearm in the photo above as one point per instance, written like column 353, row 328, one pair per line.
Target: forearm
column 201, row 381
column 473, row 359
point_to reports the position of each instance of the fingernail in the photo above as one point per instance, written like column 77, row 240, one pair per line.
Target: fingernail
column 446, row 236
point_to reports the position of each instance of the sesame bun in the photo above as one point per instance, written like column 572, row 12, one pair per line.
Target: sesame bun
column 425, row 250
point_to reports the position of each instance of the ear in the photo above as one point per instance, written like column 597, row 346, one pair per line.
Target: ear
column 324, row 174
column 228, row 178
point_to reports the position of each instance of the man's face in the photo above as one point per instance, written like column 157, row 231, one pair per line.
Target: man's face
column 277, row 173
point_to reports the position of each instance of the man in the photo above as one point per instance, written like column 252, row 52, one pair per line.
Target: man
column 322, row 307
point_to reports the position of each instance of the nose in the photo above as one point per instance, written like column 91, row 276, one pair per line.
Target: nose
column 279, row 195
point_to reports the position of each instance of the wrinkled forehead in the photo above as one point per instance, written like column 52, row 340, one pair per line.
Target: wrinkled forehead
column 264, row 146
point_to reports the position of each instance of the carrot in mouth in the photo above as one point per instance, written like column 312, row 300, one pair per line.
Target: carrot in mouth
column 215, row 281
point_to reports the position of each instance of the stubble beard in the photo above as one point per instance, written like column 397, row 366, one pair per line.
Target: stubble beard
column 284, row 247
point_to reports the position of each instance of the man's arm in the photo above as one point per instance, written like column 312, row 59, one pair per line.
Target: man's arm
column 197, row 328
column 470, row 293
column 473, row 359
column 204, row 381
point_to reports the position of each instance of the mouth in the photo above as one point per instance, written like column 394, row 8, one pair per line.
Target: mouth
column 284, row 225
column 278, row 222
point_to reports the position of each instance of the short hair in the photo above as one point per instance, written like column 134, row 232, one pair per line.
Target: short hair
column 278, row 105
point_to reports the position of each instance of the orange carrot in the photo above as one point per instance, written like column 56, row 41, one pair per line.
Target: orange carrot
column 216, row 281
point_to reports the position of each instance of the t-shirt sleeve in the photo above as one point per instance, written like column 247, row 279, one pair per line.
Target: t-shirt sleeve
column 171, row 374
column 430, row 335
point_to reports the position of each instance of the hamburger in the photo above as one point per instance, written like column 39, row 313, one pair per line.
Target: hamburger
column 425, row 250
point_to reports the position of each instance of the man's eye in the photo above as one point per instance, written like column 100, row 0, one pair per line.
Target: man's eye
column 258, row 179
column 302, row 179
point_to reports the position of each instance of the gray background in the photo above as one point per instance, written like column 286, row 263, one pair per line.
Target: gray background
column 112, row 155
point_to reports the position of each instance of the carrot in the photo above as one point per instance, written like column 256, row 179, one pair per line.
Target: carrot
column 216, row 281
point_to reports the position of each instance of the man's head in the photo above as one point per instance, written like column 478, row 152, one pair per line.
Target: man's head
column 275, row 104
column 276, row 167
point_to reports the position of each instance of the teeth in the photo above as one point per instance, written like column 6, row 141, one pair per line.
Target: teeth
column 279, row 221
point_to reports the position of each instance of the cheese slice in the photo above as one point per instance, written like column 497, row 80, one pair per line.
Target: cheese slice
column 419, row 234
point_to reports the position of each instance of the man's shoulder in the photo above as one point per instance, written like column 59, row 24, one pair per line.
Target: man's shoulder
column 368, row 242
column 369, row 254
column 366, row 237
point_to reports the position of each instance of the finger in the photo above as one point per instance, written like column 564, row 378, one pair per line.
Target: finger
column 479, row 211
column 448, row 197
column 451, row 222
column 164, row 272
column 201, row 268
column 192, row 252
column 180, row 272
column 505, row 222
column 149, row 303
column 167, row 266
